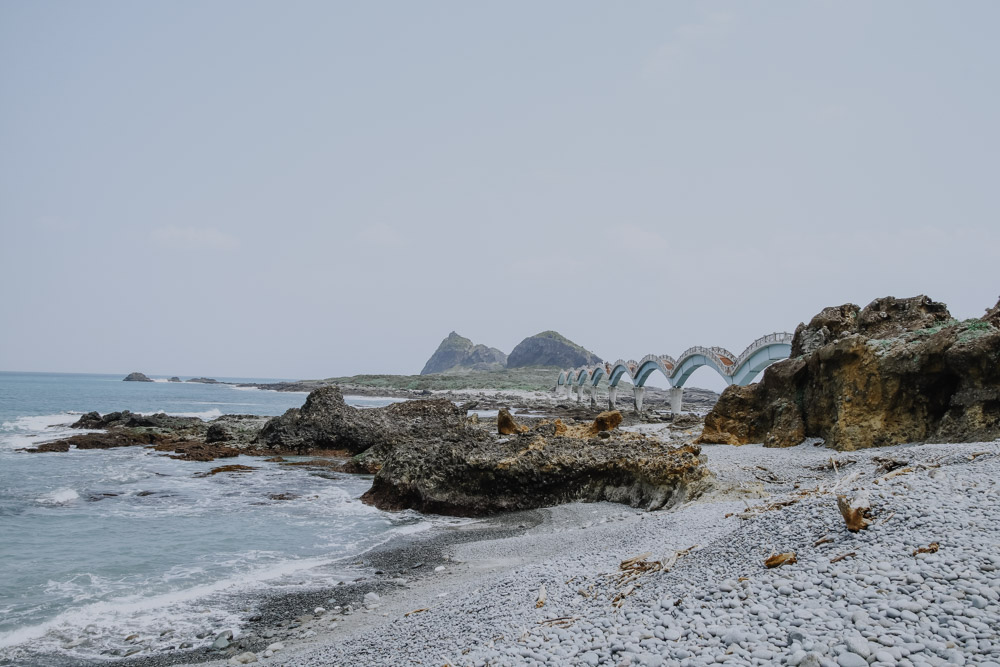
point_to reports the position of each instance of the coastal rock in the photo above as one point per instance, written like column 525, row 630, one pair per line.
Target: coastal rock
column 479, row 475
column 506, row 424
column 174, row 379
column 899, row 371
column 204, row 380
column 326, row 422
column 58, row 446
column 549, row 348
column 218, row 433
column 136, row 377
column 606, row 421
column 458, row 352
column 993, row 315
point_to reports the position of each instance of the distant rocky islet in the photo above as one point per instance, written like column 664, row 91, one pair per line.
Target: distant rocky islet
column 548, row 348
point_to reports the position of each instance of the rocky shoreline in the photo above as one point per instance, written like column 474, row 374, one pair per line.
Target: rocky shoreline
column 781, row 551
column 912, row 588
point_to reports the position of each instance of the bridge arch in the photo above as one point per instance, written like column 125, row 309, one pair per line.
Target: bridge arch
column 651, row 363
column 620, row 369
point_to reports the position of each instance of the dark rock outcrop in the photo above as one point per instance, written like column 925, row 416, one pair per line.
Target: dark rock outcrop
column 549, row 348
column 993, row 315
column 478, row 475
column 174, row 379
column 326, row 422
column 900, row 370
column 136, row 377
column 458, row 352
column 205, row 380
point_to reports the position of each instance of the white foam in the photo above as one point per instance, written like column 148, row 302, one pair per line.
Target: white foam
column 136, row 613
column 59, row 497
column 38, row 423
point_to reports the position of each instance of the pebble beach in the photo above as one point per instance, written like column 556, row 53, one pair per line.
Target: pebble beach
column 604, row 584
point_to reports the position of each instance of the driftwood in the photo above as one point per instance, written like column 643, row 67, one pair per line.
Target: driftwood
column 837, row 559
column 777, row 560
column 541, row 597
column 855, row 511
column 416, row 611
column 632, row 568
column 929, row 549
column 822, row 540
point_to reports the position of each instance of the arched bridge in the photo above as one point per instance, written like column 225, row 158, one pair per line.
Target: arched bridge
column 739, row 370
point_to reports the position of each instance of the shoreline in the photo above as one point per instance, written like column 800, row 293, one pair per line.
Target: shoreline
column 483, row 607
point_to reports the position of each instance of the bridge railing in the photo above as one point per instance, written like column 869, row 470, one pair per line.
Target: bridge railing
column 763, row 341
column 716, row 354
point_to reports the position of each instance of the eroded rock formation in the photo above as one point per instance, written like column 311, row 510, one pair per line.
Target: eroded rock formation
column 480, row 475
column 549, row 348
column 459, row 352
column 899, row 370
column 136, row 377
column 326, row 422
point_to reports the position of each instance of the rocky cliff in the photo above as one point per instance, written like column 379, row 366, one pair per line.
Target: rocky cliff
column 549, row 348
column 459, row 352
column 896, row 371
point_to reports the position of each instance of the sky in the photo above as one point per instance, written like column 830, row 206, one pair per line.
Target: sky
column 315, row 189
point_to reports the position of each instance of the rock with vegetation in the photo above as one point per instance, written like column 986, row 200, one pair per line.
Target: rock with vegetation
column 174, row 379
column 205, row 380
column 549, row 348
column 136, row 377
column 326, row 422
column 456, row 352
column 897, row 371
column 993, row 315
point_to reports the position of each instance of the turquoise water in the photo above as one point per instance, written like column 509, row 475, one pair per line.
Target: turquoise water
column 100, row 545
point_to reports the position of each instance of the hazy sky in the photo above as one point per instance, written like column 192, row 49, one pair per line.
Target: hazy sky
column 299, row 189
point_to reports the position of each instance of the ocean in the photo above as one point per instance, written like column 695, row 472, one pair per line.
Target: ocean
column 107, row 553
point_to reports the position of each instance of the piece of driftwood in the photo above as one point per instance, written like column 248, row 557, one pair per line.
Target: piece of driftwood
column 855, row 511
column 837, row 559
column 416, row 611
column 894, row 473
column 541, row 597
column 778, row 560
column 929, row 549
column 822, row 540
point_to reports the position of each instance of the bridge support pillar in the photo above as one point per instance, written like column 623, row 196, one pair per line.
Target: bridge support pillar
column 579, row 391
column 638, row 391
column 593, row 396
column 675, row 399
column 612, row 397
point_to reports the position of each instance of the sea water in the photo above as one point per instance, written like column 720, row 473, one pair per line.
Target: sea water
column 103, row 552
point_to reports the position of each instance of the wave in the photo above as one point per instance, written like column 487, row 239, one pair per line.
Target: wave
column 38, row 423
column 59, row 497
column 102, row 624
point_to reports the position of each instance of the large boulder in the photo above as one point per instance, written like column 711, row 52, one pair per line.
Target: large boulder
column 327, row 422
column 550, row 348
column 478, row 474
column 456, row 352
column 324, row 421
column 900, row 370
column 136, row 377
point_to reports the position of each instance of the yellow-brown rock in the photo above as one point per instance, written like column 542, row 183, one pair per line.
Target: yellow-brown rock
column 506, row 424
column 938, row 383
column 606, row 421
